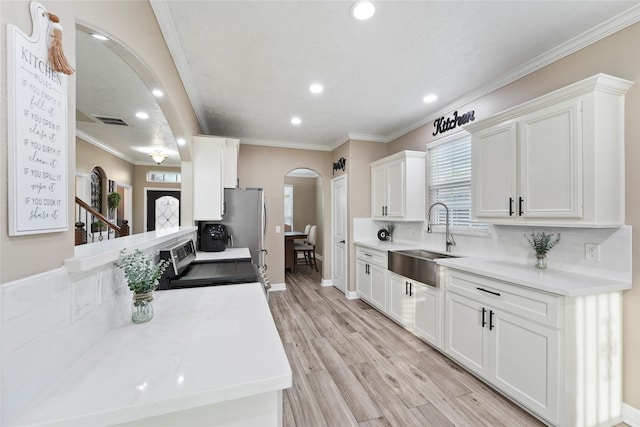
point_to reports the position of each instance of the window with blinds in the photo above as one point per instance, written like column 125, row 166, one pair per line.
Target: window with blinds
column 449, row 172
column 288, row 204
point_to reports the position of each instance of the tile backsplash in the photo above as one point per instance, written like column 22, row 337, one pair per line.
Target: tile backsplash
column 507, row 242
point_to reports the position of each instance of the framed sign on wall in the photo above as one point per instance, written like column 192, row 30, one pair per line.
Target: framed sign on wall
column 37, row 130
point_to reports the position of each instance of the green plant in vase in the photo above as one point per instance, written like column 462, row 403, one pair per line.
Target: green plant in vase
column 390, row 229
column 142, row 274
column 541, row 244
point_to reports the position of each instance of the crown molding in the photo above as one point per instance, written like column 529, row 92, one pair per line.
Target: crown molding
column 163, row 16
column 283, row 144
column 368, row 137
column 93, row 141
column 589, row 37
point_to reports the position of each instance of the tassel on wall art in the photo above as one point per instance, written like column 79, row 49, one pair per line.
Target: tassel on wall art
column 57, row 60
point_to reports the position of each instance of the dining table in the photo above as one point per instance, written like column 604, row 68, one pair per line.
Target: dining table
column 289, row 253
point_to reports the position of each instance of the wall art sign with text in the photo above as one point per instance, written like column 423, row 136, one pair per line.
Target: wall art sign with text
column 443, row 124
column 37, row 125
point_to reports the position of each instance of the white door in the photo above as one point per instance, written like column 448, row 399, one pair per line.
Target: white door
column 396, row 186
column 339, row 231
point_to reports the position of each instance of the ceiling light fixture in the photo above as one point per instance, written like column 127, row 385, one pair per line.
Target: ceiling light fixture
column 99, row 37
column 142, row 115
column 296, row 121
column 158, row 157
column 363, row 10
column 181, row 141
column 157, row 93
column 316, row 88
column 429, row 98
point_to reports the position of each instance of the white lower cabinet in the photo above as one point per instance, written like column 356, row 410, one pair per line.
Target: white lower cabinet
column 507, row 335
column 416, row 306
column 371, row 270
column 517, row 356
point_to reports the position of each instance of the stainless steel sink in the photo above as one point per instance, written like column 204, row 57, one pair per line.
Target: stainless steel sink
column 416, row 264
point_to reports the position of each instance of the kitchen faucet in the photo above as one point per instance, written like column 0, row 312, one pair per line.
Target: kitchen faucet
column 448, row 236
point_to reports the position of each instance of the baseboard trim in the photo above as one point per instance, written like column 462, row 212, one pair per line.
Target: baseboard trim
column 326, row 283
column 630, row 415
column 351, row 295
column 278, row 287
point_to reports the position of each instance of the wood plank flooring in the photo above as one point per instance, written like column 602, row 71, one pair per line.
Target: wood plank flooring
column 352, row 366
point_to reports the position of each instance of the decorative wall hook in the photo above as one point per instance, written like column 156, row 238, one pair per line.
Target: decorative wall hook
column 339, row 165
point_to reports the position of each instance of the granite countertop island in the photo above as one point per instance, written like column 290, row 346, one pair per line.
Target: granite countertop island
column 210, row 355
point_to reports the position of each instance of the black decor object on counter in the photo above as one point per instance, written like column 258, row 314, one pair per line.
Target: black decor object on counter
column 383, row 235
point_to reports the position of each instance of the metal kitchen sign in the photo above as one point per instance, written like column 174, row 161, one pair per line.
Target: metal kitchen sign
column 442, row 125
column 38, row 173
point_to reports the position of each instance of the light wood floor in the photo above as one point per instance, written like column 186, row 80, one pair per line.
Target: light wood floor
column 352, row 366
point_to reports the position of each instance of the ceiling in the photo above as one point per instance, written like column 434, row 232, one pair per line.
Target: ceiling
column 247, row 65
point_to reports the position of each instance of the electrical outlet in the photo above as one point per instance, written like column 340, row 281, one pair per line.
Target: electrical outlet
column 277, row 229
column 592, row 252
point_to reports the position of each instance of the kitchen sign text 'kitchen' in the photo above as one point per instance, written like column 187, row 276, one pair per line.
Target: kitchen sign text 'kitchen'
column 442, row 125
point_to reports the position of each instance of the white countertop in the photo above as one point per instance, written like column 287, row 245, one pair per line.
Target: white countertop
column 550, row 280
column 203, row 346
column 229, row 253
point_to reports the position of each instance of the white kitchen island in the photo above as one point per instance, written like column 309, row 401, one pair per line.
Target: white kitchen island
column 210, row 356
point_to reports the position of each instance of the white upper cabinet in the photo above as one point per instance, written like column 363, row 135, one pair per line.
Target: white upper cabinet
column 398, row 187
column 555, row 160
column 214, row 168
column 230, row 170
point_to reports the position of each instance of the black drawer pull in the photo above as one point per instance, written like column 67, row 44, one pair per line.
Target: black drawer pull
column 490, row 320
column 484, row 322
column 520, row 201
column 489, row 292
column 510, row 206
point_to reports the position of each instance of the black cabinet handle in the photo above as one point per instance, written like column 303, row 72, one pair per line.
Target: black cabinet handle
column 406, row 287
column 490, row 320
column 410, row 289
column 520, row 202
column 368, row 269
column 341, row 241
column 488, row 291
column 510, row 206
column 484, row 322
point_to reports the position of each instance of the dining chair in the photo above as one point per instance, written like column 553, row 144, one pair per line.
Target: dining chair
column 308, row 249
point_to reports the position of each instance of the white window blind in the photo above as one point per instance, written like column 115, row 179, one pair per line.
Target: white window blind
column 288, row 204
column 449, row 169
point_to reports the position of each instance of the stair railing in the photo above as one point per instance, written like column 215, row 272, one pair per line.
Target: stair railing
column 100, row 228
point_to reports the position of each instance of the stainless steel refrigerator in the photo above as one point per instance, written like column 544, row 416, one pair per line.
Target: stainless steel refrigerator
column 245, row 217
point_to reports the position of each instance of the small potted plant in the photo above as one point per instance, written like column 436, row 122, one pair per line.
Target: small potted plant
column 542, row 243
column 142, row 274
column 98, row 226
column 113, row 201
column 390, row 229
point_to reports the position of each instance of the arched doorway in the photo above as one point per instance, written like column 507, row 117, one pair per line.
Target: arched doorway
column 304, row 203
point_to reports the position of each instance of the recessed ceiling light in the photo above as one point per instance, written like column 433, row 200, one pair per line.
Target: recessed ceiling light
column 316, row 88
column 99, row 36
column 429, row 98
column 157, row 93
column 295, row 120
column 363, row 10
column 181, row 141
column 142, row 115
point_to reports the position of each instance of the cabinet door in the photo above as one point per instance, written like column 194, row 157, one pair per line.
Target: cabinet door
column 363, row 280
column 231, row 149
column 400, row 300
column 378, row 286
column 525, row 363
column 551, row 162
column 378, row 191
column 428, row 313
column 396, row 189
column 208, row 196
column 465, row 335
column 494, row 172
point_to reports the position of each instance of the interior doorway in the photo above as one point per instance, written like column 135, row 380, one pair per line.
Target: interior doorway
column 304, row 203
column 339, row 232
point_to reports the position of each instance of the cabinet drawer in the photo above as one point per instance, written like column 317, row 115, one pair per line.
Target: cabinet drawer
column 372, row 256
column 537, row 306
